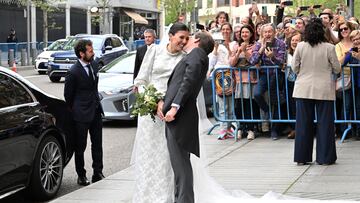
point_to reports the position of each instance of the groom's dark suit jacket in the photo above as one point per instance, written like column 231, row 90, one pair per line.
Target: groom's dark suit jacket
column 183, row 88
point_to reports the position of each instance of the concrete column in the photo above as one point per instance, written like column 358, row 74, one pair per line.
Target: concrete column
column 88, row 21
column 33, row 26
column 67, row 20
column 111, row 17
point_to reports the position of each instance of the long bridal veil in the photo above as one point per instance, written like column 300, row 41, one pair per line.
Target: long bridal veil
column 206, row 189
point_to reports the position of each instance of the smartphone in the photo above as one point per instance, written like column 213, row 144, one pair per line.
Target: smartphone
column 293, row 21
column 219, row 41
column 264, row 10
column 355, row 49
column 199, row 26
column 317, row 6
column 288, row 3
column 342, row 13
column 304, row 8
column 268, row 45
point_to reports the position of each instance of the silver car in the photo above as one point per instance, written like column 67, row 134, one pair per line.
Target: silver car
column 115, row 87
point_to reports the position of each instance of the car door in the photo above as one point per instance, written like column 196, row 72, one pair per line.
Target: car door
column 20, row 123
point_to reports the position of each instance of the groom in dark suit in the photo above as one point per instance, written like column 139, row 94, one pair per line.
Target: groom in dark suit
column 82, row 97
column 181, row 114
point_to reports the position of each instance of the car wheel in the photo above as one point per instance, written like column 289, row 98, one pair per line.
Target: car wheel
column 48, row 170
column 55, row 78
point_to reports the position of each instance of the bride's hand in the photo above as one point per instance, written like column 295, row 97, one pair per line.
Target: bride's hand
column 159, row 109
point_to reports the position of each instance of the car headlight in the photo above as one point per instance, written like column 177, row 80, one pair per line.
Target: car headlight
column 118, row 90
column 51, row 59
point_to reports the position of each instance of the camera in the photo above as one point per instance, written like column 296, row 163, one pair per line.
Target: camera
column 288, row 3
column 304, row 8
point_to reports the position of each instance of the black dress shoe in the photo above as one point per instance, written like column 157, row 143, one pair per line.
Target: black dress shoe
column 83, row 181
column 96, row 177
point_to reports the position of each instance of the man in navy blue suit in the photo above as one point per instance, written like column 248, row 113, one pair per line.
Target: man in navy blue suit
column 81, row 96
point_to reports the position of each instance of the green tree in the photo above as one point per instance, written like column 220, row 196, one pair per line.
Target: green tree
column 173, row 8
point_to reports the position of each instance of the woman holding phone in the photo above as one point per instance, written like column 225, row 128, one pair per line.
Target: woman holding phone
column 342, row 48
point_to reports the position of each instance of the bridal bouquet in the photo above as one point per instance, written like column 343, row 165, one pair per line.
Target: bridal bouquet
column 146, row 102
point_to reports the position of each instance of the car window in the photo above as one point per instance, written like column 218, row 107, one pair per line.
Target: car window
column 123, row 64
column 116, row 42
column 97, row 42
column 12, row 93
column 57, row 45
column 108, row 42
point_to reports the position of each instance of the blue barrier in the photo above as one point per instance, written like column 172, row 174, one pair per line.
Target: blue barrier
column 137, row 43
column 227, row 76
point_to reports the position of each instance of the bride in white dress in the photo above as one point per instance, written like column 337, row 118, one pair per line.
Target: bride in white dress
column 154, row 178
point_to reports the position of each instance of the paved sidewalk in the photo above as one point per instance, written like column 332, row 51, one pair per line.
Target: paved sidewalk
column 257, row 167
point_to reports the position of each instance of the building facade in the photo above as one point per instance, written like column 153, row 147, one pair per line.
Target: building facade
column 236, row 9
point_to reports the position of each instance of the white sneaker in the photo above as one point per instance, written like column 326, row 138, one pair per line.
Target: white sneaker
column 250, row 135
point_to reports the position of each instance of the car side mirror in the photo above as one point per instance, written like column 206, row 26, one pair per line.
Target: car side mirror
column 107, row 48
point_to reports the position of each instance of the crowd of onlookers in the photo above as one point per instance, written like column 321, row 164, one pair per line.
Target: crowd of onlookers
column 258, row 93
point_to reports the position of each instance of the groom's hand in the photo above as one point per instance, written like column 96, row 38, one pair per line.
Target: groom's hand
column 159, row 109
column 170, row 115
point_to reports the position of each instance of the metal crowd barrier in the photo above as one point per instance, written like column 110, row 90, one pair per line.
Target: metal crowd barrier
column 226, row 76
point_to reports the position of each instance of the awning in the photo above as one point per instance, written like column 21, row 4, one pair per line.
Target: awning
column 136, row 17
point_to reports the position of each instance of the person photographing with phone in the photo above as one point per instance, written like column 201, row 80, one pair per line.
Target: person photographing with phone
column 269, row 51
column 220, row 58
column 353, row 57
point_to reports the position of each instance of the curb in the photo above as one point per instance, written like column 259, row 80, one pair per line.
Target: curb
column 21, row 67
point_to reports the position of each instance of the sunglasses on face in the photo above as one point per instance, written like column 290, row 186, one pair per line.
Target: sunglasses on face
column 343, row 29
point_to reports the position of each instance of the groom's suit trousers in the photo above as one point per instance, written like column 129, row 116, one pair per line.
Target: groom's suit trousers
column 180, row 162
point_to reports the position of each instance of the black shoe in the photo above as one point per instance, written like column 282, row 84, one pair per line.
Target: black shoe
column 96, row 177
column 83, row 181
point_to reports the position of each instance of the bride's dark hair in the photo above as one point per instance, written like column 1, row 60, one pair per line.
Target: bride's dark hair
column 176, row 27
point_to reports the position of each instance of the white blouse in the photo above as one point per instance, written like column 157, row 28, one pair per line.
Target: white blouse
column 157, row 67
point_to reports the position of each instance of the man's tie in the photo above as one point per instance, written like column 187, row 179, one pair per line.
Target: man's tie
column 91, row 75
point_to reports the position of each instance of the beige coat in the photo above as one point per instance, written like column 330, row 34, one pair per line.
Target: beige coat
column 315, row 68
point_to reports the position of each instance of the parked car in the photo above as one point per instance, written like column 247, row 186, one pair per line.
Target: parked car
column 35, row 138
column 41, row 61
column 106, row 47
column 115, row 87
column 116, row 84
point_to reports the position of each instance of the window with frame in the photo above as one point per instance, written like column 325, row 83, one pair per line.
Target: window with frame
column 223, row 2
column 209, row 3
column 199, row 4
column 12, row 93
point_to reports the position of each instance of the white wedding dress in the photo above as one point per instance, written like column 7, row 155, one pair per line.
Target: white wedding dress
column 154, row 178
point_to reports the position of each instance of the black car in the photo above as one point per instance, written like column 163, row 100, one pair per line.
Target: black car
column 35, row 138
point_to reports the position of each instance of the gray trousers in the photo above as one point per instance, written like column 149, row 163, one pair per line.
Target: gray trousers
column 180, row 162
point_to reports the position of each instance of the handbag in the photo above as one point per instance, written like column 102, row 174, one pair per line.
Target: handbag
column 225, row 82
column 340, row 86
